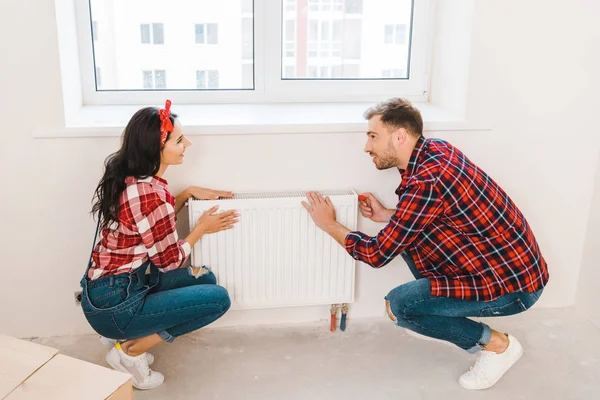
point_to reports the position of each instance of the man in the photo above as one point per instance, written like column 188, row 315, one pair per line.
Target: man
column 469, row 247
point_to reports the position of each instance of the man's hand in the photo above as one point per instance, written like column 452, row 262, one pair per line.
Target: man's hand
column 320, row 209
column 323, row 214
column 208, row 194
column 371, row 208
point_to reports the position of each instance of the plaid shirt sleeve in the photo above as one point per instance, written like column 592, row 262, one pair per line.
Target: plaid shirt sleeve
column 418, row 206
column 156, row 226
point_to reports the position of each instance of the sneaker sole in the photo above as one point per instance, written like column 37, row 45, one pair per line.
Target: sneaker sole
column 116, row 365
column 519, row 355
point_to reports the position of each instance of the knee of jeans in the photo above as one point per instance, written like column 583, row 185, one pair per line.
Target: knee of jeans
column 397, row 317
column 398, row 300
column 223, row 299
column 210, row 278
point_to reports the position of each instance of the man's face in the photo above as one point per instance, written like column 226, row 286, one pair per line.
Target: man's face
column 380, row 144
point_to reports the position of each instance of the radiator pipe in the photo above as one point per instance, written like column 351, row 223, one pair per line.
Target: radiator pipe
column 333, row 317
column 344, row 314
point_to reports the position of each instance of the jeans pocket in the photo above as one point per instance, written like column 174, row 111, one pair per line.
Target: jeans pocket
column 123, row 318
column 104, row 297
column 514, row 307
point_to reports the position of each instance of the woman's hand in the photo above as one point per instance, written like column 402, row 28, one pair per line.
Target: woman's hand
column 208, row 194
column 210, row 222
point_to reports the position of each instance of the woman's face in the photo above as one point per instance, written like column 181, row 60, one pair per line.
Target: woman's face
column 174, row 149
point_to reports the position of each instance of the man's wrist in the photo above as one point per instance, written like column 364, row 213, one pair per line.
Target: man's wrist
column 331, row 227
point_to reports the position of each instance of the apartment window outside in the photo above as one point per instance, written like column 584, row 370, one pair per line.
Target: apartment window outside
column 207, row 33
column 207, row 79
column 395, row 34
column 152, row 33
column 156, row 79
column 292, row 50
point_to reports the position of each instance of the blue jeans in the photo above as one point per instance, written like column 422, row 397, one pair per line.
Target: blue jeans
column 445, row 318
column 130, row 306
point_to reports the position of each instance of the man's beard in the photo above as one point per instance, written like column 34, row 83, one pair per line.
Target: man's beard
column 388, row 159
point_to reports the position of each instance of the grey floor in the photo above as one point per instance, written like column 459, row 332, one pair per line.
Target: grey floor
column 372, row 360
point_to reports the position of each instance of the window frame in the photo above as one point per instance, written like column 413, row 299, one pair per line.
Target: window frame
column 269, row 84
column 206, row 35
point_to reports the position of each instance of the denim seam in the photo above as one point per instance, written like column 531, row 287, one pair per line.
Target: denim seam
column 112, row 317
column 179, row 309
column 433, row 330
column 107, row 295
column 443, row 333
column 123, row 306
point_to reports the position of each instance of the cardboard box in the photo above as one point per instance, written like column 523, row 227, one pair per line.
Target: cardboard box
column 30, row 371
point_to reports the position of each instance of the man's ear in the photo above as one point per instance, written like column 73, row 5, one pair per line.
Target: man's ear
column 399, row 136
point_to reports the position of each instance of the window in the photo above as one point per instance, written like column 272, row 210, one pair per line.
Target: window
column 247, row 42
column 290, row 72
column 290, row 5
column 200, row 33
column 354, row 6
column 393, row 73
column 157, row 34
column 95, row 31
column 247, row 6
column 145, row 29
column 290, row 50
column 248, row 75
column 152, row 33
column 290, row 38
column 207, row 79
column 98, row 78
column 206, row 33
column 395, row 34
column 156, row 79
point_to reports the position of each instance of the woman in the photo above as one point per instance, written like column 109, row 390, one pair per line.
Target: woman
column 132, row 310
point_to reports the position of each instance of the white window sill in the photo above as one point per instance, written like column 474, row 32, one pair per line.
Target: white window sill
column 224, row 119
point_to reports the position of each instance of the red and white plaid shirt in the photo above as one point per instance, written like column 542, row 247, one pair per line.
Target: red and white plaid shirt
column 462, row 230
column 146, row 231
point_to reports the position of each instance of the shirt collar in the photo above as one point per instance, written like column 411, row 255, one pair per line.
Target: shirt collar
column 152, row 180
column 417, row 153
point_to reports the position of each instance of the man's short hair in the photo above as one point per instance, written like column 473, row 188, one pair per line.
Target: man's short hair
column 398, row 113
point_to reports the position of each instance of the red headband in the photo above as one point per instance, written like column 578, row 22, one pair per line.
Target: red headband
column 166, row 125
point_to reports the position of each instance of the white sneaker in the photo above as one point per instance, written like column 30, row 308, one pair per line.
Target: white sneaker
column 110, row 343
column 142, row 376
column 429, row 339
column 490, row 367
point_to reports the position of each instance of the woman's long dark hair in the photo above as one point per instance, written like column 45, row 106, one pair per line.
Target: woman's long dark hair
column 139, row 156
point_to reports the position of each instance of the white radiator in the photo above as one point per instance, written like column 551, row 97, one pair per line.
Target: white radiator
column 275, row 255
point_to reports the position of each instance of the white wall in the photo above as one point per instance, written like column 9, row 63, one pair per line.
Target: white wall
column 535, row 76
